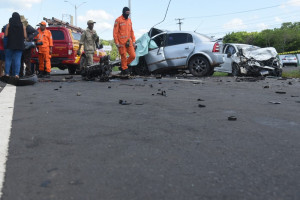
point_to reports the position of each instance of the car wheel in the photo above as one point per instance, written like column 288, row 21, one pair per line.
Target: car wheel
column 141, row 69
column 72, row 70
column 235, row 70
column 211, row 72
column 199, row 66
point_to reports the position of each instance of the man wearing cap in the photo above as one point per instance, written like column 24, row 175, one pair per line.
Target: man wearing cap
column 125, row 39
column 44, row 50
column 26, row 56
column 88, row 39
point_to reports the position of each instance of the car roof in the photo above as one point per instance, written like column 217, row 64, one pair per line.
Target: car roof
column 241, row 45
column 159, row 31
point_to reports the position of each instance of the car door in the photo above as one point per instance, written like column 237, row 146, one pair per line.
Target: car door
column 178, row 48
column 60, row 45
column 230, row 51
column 155, row 58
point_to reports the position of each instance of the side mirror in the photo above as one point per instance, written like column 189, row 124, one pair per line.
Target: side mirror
column 229, row 55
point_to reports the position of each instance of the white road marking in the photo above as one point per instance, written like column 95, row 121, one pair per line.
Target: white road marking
column 7, row 101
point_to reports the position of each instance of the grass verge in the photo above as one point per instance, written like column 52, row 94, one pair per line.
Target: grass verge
column 220, row 74
column 291, row 74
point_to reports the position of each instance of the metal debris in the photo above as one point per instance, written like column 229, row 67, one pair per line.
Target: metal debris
column 249, row 79
column 280, row 92
column 68, row 77
column 122, row 102
column 78, row 94
column 274, row 102
column 232, row 118
column 162, row 93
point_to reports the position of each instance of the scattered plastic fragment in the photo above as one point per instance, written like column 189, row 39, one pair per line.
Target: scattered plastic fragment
column 280, row 92
column 232, row 118
column 122, row 102
column 275, row 102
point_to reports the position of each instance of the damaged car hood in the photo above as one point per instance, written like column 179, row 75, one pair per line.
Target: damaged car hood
column 259, row 54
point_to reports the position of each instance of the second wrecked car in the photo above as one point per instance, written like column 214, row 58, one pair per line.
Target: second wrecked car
column 243, row 59
column 159, row 51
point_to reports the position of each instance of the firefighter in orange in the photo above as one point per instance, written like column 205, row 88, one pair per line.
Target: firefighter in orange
column 124, row 39
column 45, row 50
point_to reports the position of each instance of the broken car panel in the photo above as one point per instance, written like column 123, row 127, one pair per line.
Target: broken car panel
column 243, row 59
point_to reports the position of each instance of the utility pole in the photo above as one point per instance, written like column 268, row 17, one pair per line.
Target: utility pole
column 129, row 6
column 76, row 7
column 180, row 22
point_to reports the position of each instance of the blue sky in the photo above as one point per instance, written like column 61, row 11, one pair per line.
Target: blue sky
column 213, row 18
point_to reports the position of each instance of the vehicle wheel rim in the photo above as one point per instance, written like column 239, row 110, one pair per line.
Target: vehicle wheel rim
column 199, row 65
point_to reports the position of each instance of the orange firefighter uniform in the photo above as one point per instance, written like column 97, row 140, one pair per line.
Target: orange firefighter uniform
column 44, row 50
column 123, row 33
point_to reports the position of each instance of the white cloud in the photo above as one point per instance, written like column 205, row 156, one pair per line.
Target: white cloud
column 262, row 26
column 235, row 24
column 291, row 3
column 104, row 20
column 278, row 19
column 27, row 4
column 96, row 15
column 140, row 32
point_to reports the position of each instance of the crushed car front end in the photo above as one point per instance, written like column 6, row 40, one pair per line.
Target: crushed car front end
column 259, row 62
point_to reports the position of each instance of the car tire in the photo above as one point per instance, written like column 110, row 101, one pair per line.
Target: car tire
column 211, row 72
column 142, row 68
column 72, row 70
column 199, row 66
column 236, row 70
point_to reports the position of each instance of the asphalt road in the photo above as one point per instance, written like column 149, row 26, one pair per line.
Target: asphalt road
column 73, row 140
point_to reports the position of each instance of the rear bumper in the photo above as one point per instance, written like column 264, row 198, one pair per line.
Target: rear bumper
column 217, row 59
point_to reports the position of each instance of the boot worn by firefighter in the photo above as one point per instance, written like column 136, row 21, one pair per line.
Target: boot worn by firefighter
column 125, row 73
column 47, row 75
column 41, row 74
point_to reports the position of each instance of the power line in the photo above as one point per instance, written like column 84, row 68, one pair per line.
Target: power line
column 245, row 11
column 232, row 13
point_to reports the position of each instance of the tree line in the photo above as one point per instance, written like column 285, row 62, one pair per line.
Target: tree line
column 284, row 39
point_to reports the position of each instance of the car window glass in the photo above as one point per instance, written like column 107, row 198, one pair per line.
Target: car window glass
column 76, row 36
column 57, row 35
column 231, row 50
column 189, row 38
column 159, row 40
column 177, row 38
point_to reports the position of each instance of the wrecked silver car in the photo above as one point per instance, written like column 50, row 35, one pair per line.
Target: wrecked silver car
column 243, row 59
column 163, row 51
